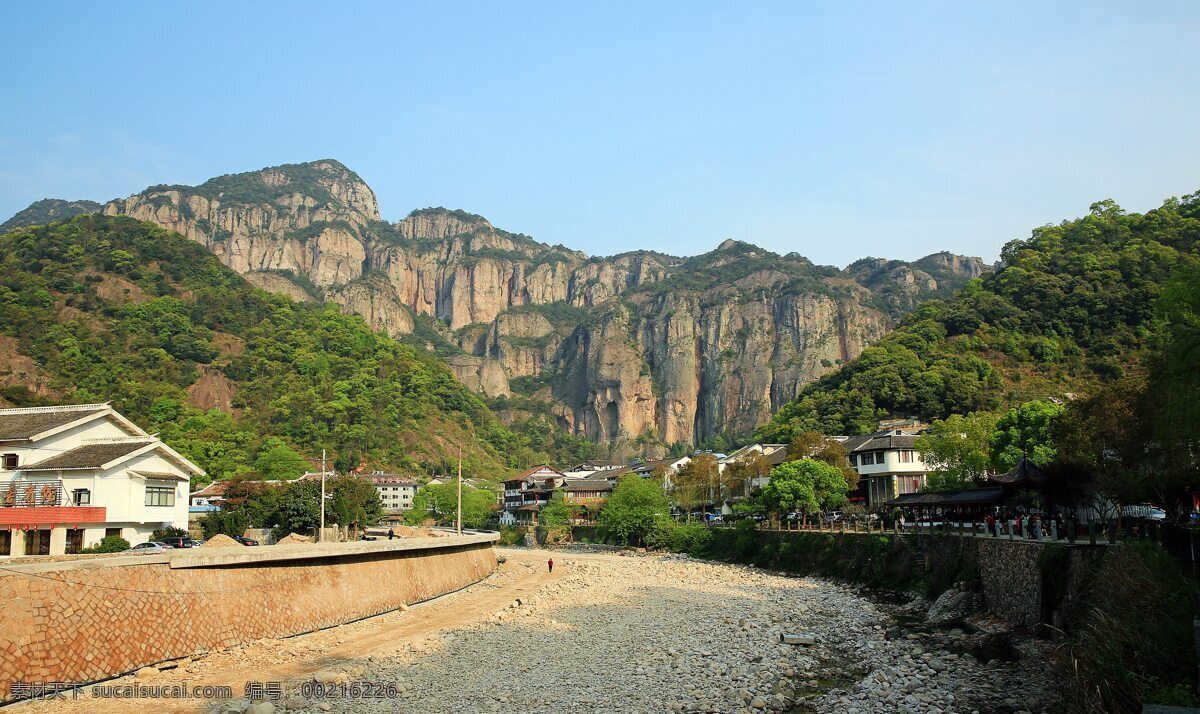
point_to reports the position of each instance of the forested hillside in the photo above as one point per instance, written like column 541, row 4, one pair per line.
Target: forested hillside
column 113, row 309
column 47, row 210
column 1072, row 307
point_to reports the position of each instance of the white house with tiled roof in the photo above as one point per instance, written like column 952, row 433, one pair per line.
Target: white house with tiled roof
column 889, row 464
column 70, row 475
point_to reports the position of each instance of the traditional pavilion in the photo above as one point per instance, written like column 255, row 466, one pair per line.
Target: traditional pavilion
column 975, row 503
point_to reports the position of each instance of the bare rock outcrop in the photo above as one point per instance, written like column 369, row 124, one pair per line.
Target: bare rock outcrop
column 212, row 390
column 639, row 347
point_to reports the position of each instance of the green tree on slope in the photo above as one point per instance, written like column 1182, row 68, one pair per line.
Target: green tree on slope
column 958, row 450
column 1027, row 430
column 805, row 486
column 632, row 508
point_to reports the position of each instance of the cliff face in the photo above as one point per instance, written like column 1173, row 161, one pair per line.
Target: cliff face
column 308, row 220
column 640, row 347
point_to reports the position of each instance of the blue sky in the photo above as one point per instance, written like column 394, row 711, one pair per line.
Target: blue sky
column 837, row 130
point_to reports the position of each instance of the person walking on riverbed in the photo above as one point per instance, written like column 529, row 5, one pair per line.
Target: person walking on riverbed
column 550, row 565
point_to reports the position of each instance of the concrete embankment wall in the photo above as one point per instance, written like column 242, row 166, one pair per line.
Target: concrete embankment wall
column 85, row 620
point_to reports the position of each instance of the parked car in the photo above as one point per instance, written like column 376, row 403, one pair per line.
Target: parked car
column 713, row 518
column 178, row 542
column 833, row 517
column 1145, row 511
column 148, row 548
column 245, row 541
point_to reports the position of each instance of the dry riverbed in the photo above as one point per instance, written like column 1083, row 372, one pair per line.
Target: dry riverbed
column 633, row 633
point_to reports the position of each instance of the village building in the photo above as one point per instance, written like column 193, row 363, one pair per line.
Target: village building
column 395, row 492
column 775, row 454
column 588, row 495
column 524, row 495
column 71, row 475
column 587, row 468
column 888, row 464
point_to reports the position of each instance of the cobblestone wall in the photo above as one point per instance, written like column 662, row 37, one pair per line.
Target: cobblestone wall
column 1011, row 578
column 89, row 620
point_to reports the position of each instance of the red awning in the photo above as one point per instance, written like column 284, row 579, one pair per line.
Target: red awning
column 50, row 515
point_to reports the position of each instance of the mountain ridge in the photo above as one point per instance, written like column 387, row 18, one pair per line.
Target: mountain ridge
column 677, row 350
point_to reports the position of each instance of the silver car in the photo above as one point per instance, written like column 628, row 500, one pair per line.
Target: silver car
column 148, row 548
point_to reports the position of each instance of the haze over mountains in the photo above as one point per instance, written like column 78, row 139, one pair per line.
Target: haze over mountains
column 639, row 350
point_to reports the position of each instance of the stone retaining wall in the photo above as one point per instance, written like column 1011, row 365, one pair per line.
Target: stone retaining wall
column 1018, row 581
column 1010, row 575
column 86, row 620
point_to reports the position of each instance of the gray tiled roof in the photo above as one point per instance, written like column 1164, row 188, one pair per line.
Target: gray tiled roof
column 777, row 457
column 20, row 424
column 1025, row 472
column 853, row 442
column 588, row 485
column 970, row 496
column 886, row 441
column 89, row 456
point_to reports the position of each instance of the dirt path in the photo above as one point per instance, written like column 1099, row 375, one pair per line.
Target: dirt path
column 520, row 577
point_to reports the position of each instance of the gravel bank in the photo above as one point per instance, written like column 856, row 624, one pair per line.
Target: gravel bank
column 668, row 633
column 628, row 633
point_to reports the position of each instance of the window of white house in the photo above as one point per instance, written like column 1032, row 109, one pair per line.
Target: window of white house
column 906, row 457
column 81, row 497
column 879, row 457
column 868, row 458
column 9, row 462
column 853, row 460
column 160, row 496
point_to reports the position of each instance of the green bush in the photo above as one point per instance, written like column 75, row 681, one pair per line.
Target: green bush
column 230, row 523
column 666, row 534
column 108, row 544
column 512, row 535
column 169, row 532
column 879, row 561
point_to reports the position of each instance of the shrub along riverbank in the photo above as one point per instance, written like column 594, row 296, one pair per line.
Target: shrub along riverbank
column 929, row 564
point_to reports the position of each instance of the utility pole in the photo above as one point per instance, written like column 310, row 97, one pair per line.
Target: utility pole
column 321, row 531
column 459, row 520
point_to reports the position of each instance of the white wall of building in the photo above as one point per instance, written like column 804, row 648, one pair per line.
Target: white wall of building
column 120, row 489
column 892, row 463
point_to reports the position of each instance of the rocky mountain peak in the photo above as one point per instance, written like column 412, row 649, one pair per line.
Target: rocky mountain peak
column 947, row 263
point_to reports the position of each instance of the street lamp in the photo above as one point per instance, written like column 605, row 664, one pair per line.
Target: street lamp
column 458, row 521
